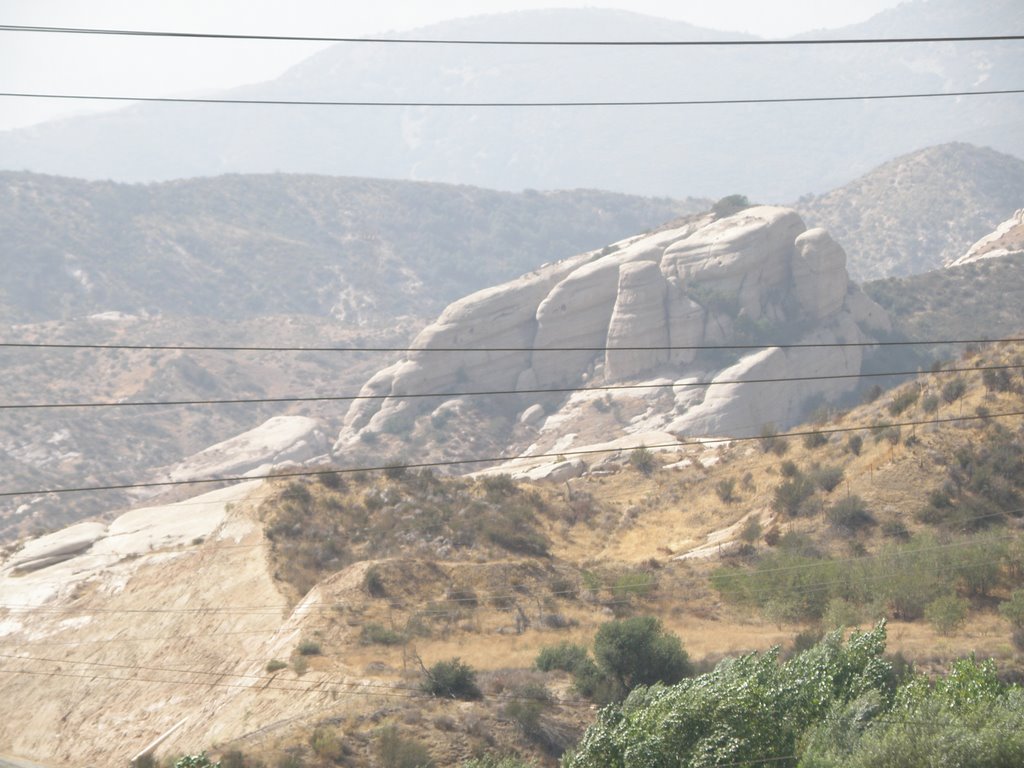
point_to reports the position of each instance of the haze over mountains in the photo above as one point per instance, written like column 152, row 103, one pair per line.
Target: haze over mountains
column 358, row 250
column 635, row 356
column 919, row 211
column 773, row 153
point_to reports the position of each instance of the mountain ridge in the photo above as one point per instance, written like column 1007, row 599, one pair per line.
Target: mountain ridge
column 774, row 152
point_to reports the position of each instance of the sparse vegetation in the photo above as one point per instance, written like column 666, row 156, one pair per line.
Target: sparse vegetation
column 946, row 613
column 566, row 657
column 451, row 679
column 850, row 514
column 903, row 400
column 642, row 460
column 398, row 751
column 726, row 490
column 308, row 647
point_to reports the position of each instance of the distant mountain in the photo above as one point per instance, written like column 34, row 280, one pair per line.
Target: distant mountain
column 981, row 300
column 1006, row 240
column 773, row 152
column 362, row 251
column 914, row 213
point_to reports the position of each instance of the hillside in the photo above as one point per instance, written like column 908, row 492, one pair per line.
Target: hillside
column 362, row 251
column 916, row 212
column 974, row 301
column 279, row 261
column 301, row 610
column 772, row 153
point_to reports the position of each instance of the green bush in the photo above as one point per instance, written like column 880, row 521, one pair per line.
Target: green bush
column 1013, row 609
column 850, row 514
column 903, row 401
column 642, row 460
column 566, row 657
column 751, row 530
column 946, row 613
column 788, row 468
column 378, row 634
column 309, row 648
column 195, row 761
column 726, row 490
column 451, row 680
column 275, row 665
column 792, row 497
column 854, row 444
column 954, row 389
column 373, row 581
column 526, row 715
column 326, row 744
column 827, row 478
column 729, row 205
column 397, row 751
column 814, row 440
column 492, row 761
column 639, row 583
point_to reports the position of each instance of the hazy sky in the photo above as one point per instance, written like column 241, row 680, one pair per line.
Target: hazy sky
column 76, row 64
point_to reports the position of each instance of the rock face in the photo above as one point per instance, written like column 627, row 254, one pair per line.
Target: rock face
column 277, row 440
column 643, row 309
column 1006, row 239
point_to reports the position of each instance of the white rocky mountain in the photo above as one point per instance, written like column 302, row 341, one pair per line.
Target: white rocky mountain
column 1007, row 239
column 636, row 338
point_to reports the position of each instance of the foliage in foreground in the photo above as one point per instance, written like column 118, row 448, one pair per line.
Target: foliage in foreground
column 835, row 704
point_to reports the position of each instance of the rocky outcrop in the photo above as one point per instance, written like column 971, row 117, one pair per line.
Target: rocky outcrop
column 643, row 309
column 1008, row 238
column 278, row 440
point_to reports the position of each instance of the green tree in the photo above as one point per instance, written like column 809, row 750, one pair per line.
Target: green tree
column 748, row 710
column 638, row 651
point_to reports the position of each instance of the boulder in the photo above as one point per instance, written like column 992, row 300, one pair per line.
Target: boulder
column 819, row 273
column 56, row 547
column 638, row 320
column 532, row 415
column 739, row 262
column 280, row 438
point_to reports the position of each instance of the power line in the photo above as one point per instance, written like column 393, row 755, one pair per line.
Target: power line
column 509, row 104
column 417, row 350
column 492, row 459
column 497, row 392
column 499, row 42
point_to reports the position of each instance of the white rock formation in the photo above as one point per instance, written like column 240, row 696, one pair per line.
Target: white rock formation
column 1007, row 238
column 637, row 311
column 57, row 561
column 277, row 440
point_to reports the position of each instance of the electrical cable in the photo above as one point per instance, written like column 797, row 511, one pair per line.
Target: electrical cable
column 419, row 350
column 509, row 104
column 494, row 597
column 497, row 392
column 286, row 474
column 500, row 42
